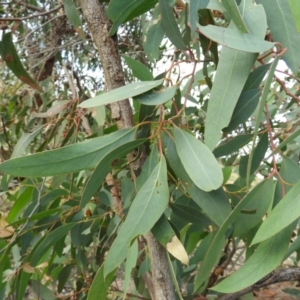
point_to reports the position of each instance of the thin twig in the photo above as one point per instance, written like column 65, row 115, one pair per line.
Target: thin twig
column 282, row 84
column 32, row 16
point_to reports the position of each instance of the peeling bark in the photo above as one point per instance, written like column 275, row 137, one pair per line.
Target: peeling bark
column 161, row 286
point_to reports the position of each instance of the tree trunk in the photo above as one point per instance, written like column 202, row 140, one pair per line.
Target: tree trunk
column 121, row 111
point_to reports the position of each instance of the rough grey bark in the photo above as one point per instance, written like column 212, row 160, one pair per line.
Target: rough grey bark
column 162, row 280
column 99, row 25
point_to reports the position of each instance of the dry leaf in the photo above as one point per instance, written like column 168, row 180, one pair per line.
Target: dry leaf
column 176, row 248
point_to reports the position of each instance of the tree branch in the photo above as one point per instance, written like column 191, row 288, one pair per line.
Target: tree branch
column 32, row 16
column 121, row 112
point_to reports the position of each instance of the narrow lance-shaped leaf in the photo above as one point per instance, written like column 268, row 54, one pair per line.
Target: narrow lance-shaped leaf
column 262, row 200
column 146, row 208
column 217, row 243
column 265, row 259
column 260, row 110
column 48, row 241
column 193, row 8
column 69, row 159
column 100, row 285
column 121, row 93
column 258, row 155
column 24, row 141
column 129, row 265
column 9, row 54
column 231, row 38
column 198, row 161
column 245, row 107
column 120, row 11
column 232, row 145
column 153, row 35
column 284, row 213
column 139, row 70
column 103, row 168
column 232, row 72
column 73, row 16
column 232, row 8
column 170, row 24
column 157, row 97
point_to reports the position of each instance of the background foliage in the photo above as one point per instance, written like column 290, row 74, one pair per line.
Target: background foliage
column 214, row 89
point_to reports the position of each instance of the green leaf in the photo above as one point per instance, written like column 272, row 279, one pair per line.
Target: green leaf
column 285, row 142
column 24, row 141
column 100, row 285
column 99, row 114
column 232, row 8
column 227, row 171
column 63, row 276
column 170, row 24
column 150, row 164
column 146, row 208
column 292, row 292
column 121, row 93
column 283, row 30
column 73, row 16
column 48, row 241
column 209, row 47
column 244, row 108
column 163, row 231
column 157, row 97
column 41, row 290
column 295, row 9
column 255, row 77
column 295, row 246
column 69, row 159
column 125, row 10
column 129, row 265
column 193, row 8
column 258, row 155
column 214, row 204
column 234, row 39
column 263, row 100
column 284, row 213
column 22, row 201
column 141, row 9
column 191, row 215
column 198, row 161
column 262, row 198
column 232, row 145
column 265, row 259
column 9, row 54
column 139, row 70
column 211, row 256
column 104, row 166
column 233, row 70
column 153, row 34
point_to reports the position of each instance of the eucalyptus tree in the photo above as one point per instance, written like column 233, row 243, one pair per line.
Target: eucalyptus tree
column 155, row 145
